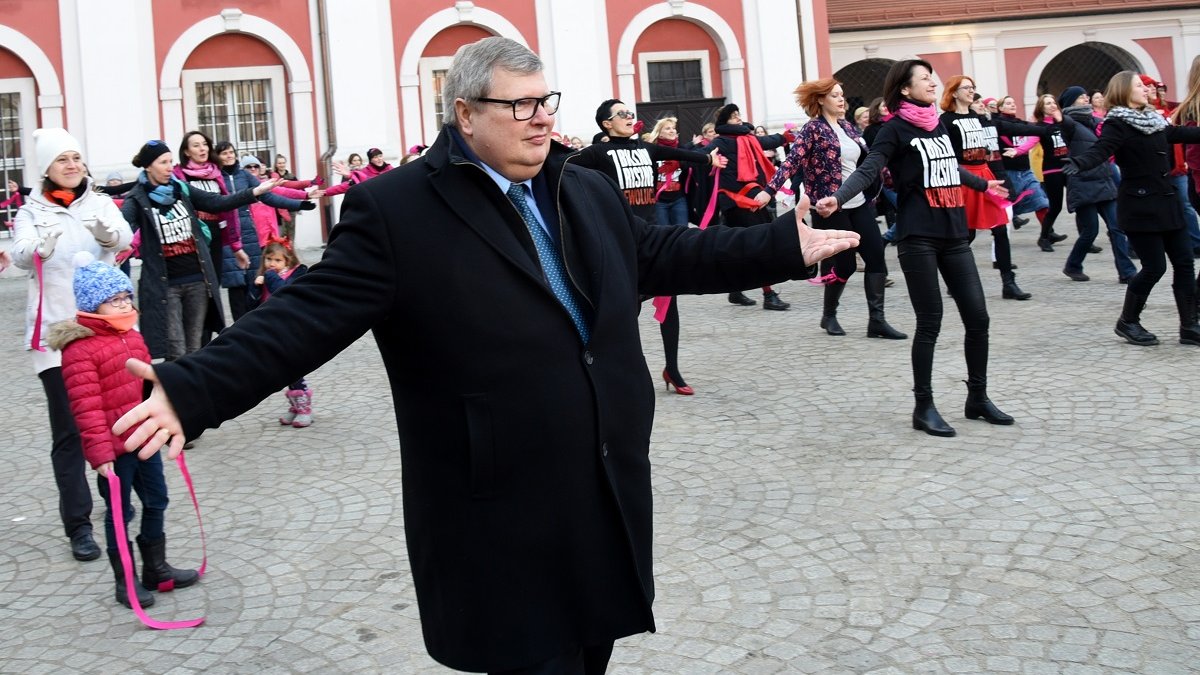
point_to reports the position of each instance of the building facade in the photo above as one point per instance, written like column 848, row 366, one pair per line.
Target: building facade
column 1020, row 48
column 320, row 79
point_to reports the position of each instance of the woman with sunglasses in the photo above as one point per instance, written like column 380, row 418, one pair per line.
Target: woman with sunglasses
column 63, row 217
column 633, row 164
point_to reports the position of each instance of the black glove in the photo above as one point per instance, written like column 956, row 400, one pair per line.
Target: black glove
column 1069, row 168
column 307, row 206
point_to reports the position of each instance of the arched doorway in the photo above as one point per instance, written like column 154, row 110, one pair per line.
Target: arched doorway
column 862, row 81
column 1089, row 65
column 434, row 63
column 677, row 75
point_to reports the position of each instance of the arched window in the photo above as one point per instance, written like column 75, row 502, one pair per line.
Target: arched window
column 862, row 81
column 1089, row 65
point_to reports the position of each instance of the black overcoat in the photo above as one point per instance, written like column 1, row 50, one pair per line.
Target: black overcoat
column 525, row 453
column 153, row 283
column 1097, row 184
column 1146, row 199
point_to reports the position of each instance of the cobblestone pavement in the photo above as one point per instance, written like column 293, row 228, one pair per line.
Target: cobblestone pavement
column 802, row 526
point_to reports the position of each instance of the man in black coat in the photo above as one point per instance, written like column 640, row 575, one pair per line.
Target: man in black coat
column 522, row 398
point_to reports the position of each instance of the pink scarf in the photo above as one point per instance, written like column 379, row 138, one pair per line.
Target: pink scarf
column 207, row 171
column 921, row 116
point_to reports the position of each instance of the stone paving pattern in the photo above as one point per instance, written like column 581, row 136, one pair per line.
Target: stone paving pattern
column 802, row 526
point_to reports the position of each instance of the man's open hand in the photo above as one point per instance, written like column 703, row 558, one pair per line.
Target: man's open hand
column 817, row 245
column 155, row 418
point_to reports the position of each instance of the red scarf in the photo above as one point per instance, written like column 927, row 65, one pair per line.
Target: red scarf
column 61, row 196
column 751, row 160
column 667, row 169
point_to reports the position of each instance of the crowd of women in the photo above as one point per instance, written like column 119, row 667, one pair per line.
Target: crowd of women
column 939, row 166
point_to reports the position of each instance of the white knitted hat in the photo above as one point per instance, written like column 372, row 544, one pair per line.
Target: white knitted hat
column 48, row 144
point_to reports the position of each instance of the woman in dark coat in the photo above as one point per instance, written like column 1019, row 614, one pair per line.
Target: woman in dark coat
column 1091, row 194
column 1148, row 208
column 179, row 286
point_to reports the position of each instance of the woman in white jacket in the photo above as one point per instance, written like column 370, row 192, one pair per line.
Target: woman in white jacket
column 62, row 217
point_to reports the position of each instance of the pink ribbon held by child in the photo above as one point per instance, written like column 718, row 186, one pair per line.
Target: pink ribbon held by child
column 114, row 488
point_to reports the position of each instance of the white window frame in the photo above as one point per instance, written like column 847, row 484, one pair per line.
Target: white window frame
column 26, row 87
column 425, row 70
column 646, row 58
column 279, row 105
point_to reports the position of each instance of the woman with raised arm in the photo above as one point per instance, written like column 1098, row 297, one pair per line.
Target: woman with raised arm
column 827, row 150
column 1148, row 207
column 977, row 145
column 931, row 236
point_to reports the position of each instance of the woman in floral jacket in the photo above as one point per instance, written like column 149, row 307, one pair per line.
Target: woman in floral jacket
column 827, row 150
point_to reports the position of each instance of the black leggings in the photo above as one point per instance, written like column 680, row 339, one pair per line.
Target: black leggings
column 670, row 338
column 922, row 258
column 1055, row 184
column 1003, row 249
column 860, row 219
column 1154, row 248
column 66, row 456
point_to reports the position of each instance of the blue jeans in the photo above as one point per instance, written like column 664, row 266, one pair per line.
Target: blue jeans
column 1189, row 213
column 1087, row 221
column 671, row 213
column 890, row 195
column 145, row 477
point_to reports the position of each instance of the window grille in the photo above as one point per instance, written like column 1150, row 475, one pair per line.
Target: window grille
column 238, row 111
column 675, row 80
column 439, row 106
column 12, row 164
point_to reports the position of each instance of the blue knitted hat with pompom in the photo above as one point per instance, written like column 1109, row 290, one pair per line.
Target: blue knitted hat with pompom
column 96, row 282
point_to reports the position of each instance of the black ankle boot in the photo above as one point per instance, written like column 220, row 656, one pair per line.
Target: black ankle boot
column 980, row 406
column 833, row 295
column 145, row 597
column 926, row 418
column 739, row 298
column 877, row 325
column 1046, row 245
column 771, row 301
column 1189, row 330
column 1128, row 325
column 1010, row 289
column 157, row 575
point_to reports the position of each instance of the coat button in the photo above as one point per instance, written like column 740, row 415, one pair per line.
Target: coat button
column 604, row 449
column 587, row 358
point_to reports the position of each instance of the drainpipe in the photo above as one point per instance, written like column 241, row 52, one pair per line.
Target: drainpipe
column 800, row 34
column 326, row 159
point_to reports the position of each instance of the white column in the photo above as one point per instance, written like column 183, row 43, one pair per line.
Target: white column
column 1186, row 49
column 808, row 35
column 773, row 58
column 363, row 69
column 304, row 154
column 112, row 115
column 985, row 65
column 573, row 41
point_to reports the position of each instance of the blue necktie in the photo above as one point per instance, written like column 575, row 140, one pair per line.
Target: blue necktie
column 552, row 264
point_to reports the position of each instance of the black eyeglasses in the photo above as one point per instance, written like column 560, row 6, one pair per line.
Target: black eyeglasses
column 525, row 108
column 623, row 114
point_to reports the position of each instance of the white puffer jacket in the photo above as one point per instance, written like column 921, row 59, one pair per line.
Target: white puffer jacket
column 39, row 216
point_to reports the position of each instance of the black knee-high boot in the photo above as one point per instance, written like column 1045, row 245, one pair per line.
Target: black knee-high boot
column 877, row 325
column 1185, row 302
column 833, row 294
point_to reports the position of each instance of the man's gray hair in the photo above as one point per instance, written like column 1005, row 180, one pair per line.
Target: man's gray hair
column 470, row 76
